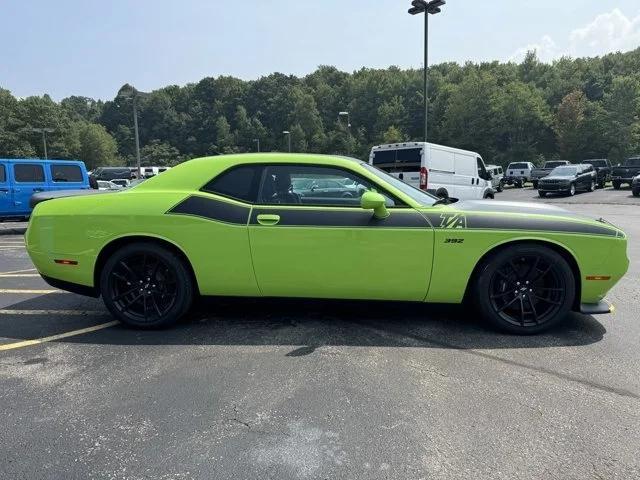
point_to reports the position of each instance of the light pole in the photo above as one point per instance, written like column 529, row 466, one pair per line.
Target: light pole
column 346, row 114
column 133, row 94
column 44, row 132
column 287, row 133
column 428, row 8
column 257, row 141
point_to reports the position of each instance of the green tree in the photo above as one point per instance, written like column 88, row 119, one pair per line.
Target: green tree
column 96, row 147
column 569, row 124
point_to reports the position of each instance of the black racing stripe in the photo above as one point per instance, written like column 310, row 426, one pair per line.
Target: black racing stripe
column 455, row 220
column 337, row 218
column 212, row 209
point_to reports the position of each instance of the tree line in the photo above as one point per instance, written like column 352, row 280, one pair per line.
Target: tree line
column 530, row 111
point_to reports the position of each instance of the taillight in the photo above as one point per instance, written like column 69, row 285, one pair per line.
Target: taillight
column 424, row 178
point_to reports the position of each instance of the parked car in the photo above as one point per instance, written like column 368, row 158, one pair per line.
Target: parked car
column 20, row 178
column 541, row 172
column 437, row 169
column 635, row 186
column 326, row 187
column 525, row 266
column 122, row 182
column 624, row 173
column 108, row 185
column 518, row 173
column 109, row 173
column 603, row 170
column 496, row 176
column 568, row 180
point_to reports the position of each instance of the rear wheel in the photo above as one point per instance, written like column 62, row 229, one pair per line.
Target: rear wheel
column 616, row 185
column 636, row 193
column 147, row 286
column 535, row 184
column 542, row 194
column 525, row 289
column 601, row 184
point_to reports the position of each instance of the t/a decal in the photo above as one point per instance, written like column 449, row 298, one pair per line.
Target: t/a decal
column 453, row 220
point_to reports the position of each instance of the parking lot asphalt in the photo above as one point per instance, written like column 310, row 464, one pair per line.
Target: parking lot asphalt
column 318, row 389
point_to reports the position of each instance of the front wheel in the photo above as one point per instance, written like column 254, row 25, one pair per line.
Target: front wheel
column 592, row 187
column 145, row 285
column 636, row 193
column 525, row 289
column 572, row 190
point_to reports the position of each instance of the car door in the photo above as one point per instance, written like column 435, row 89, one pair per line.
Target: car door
column 28, row 178
column 329, row 247
column 6, row 200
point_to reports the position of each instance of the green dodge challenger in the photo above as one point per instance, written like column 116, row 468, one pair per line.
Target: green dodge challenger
column 314, row 226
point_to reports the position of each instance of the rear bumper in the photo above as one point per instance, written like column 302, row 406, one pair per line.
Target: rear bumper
column 71, row 287
column 622, row 179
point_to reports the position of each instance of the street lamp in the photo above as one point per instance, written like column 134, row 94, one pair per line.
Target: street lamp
column 133, row 94
column 345, row 114
column 257, row 141
column 44, row 132
column 288, row 135
column 428, row 8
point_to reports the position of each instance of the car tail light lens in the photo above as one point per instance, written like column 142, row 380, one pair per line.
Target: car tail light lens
column 424, row 178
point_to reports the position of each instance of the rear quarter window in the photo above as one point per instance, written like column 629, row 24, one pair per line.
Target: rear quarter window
column 28, row 172
column 66, row 173
column 240, row 183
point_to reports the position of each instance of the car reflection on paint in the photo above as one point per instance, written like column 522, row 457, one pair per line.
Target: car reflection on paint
column 327, row 188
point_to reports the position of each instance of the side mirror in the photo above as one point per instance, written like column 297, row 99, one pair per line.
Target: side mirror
column 372, row 200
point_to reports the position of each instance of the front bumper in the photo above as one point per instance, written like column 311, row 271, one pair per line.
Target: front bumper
column 599, row 308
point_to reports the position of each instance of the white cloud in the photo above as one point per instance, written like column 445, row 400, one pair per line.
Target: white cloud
column 608, row 32
column 546, row 49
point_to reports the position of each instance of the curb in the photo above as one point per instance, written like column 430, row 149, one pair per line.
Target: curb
column 13, row 231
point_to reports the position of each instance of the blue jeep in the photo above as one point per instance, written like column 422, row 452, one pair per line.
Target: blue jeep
column 21, row 178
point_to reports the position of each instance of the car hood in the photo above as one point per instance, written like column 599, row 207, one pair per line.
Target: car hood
column 558, row 177
column 496, row 215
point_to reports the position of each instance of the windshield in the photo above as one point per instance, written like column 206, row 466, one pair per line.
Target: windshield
column 420, row 196
column 632, row 162
column 564, row 171
column 555, row 164
column 597, row 163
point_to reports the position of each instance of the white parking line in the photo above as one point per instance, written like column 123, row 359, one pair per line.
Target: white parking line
column 19, row 275
column 17, row 290
column 19, row 271
column 7, row 311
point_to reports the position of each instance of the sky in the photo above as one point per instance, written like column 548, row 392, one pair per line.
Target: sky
column 92, row 48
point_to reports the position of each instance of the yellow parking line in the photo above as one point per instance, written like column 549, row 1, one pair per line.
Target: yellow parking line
column 17, row 290
column 6, row 311
column 19, row 271
column 37, row 341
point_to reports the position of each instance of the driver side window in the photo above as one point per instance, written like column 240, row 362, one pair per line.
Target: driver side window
column 315, row 186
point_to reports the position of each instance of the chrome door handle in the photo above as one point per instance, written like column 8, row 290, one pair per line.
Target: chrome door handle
column 268, row 219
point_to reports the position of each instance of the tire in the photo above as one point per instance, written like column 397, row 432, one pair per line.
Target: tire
column 499, row 188
column 616, row 185
column 572, row 190
column 542, row 194
column 636, row 193
column 592, row 187
column 168, row 280
column 601, row 184
column 535, row 184
column 524, row 289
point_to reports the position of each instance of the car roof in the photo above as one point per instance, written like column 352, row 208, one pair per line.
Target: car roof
column 36, row 160
column 192, row 174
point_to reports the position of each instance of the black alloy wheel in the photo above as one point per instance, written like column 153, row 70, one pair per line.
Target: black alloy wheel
column 147, row 286
column 525, row 289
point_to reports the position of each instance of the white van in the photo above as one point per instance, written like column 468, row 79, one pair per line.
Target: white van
column 435, row 168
